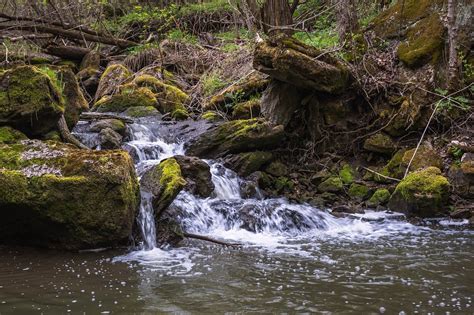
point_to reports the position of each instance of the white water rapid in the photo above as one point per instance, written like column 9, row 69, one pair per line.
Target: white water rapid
column 272, row 224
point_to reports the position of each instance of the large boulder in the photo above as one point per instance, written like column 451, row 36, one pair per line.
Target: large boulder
column 423, row 193
column 30, row 100
column 197, row 174
column 235, row 137
column 249, row 162
column 55, row 195
column 164, row 182
column 288, row 60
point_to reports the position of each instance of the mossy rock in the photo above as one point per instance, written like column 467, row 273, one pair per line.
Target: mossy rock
column 113, row 76
column 129, row 96
column 424, row 42
column 277, row 169
column 406, row 118
column 75, row 101
column 423, row 193
column 141, row 111
column 52, row 136
column 425, row 157
column 30, row 100
column 358, row 191
column 332, row 185
column 247, row 163
column 347, row 174
column 164, row 182
column 379, row 198
column 235, row 137
column 240, row 92
column 283, row 184
column 211, row 116
column 247, row 110
column 170, row 98
column 115, row 124
column 180, row 114
column 90, row 61
column 404, row 13
column 9, row 135
column 197, row 174
column 380, row 143
column 55, row 195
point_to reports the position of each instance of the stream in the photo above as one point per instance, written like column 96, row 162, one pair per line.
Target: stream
column 294, row 258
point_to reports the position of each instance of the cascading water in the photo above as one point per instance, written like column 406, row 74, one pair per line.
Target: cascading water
column 227, row 215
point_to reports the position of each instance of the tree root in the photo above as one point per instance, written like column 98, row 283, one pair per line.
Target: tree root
column 67, row 136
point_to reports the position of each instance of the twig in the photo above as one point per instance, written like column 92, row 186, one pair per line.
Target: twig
column 381, row 175
column 208, row 239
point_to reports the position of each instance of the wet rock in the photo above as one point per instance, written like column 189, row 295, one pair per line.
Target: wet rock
column 247, row 163
column 463, row 213
column 197, row 174
column 423, row 193
column 235, row 137
column 109, row 139
column 168, row 232
column 114, row 124
column 57, row 196
column 288, row 60
column 379, row 198
column 380, row 143
column 164, row 181
column 30, row 101
column 280, row 100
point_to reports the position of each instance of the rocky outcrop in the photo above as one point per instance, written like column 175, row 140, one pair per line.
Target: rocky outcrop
column 57, row 196
column 197, row 174
column 423, row 194
column 30, row 100
column 288, row 60
column 235, row 137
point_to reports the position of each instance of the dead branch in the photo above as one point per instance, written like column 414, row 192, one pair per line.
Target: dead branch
column 98, row 116
column 208, row 239
column 66, row 134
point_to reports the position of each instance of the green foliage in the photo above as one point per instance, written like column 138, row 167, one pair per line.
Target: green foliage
column 208, row 7
column 447, row 103
column 321, row 39
column 467, row 67
column 212, row 83
column 181, row 36
column 141, row 48
column 55, row 78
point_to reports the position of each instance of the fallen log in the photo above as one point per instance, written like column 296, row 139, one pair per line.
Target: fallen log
column 67, row 52
column 98, row 116
column 211, row 240
column 70, row 34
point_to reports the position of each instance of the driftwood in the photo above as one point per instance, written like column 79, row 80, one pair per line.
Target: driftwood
column 98, row 116
column 67, row 136
column 208, row 239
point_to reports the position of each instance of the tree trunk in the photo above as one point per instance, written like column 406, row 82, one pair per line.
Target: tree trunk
column 452, row 42
column 347, row 21
column 277, row 17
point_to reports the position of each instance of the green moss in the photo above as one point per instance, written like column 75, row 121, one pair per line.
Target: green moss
column 9, row 135
column 116, row 69
column 53, row 136
column 347, row 174
column 380, row 143
column 358, row 191
column 425, row 157
column 247, row 110
column 127, row 97
column 424, row 42
column 211, row 116
column 211, row 83
column 171, row 178
column 249, row 162
column 424, row 193
column 283, row 183
column 379, row 198
column 180, row 114
column 141, row 111
column 170, row 98
column 277, row 168
column 332, row 184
